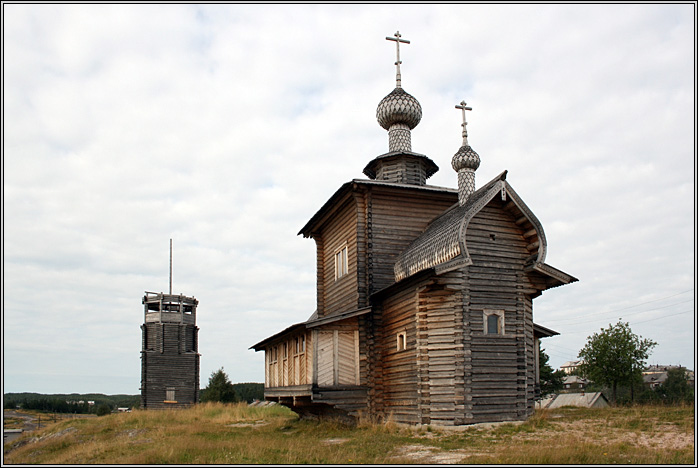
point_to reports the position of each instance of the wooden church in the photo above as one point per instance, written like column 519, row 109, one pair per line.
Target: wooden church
column 424, row 293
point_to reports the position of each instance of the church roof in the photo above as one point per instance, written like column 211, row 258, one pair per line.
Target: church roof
column 430, row 167
column 442, row 245
column 443, row 240
column 333, row 202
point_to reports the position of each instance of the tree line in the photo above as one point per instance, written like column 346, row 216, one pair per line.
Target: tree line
column 219, row 389
column 70, row 403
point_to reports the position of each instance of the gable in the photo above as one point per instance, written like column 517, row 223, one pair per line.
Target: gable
column 444, row 244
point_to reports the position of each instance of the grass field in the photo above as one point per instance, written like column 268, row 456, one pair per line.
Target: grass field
column 239, row 434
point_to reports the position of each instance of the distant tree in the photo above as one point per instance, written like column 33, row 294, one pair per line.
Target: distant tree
column 675, row 388
column 550, row 380
column 615, row 356
column 249, row 391
column 102, row 409
column 219, row 388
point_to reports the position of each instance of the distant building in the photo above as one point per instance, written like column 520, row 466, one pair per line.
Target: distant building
column 584, row 400
column 570, row 367
column 169, row 355
column 574, row 383
column 656, row 374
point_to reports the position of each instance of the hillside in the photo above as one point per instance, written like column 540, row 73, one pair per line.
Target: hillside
column 241, row 434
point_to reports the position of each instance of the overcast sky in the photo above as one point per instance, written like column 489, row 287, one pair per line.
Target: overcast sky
column 226, row 127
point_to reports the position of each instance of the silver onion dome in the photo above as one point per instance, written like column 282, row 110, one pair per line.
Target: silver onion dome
column 465, row 158
column 399, row 107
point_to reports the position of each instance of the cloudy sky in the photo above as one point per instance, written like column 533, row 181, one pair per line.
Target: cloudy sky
column 226, row 127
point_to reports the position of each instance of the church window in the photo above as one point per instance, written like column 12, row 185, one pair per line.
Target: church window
column 401, row 341
column 341, row 262
column 494, row 322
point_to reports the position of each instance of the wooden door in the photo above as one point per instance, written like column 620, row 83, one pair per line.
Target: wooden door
column 337, row 358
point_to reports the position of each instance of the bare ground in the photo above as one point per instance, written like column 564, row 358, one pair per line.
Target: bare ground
column 664, row 436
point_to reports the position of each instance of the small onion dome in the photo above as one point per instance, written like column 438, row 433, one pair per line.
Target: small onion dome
column 465, row 158
column 399, row 107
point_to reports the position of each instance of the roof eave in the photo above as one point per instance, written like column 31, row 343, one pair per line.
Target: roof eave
column 558, row 277
column 259, row 346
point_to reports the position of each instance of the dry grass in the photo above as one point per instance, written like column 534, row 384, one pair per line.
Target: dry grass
column 238, row 434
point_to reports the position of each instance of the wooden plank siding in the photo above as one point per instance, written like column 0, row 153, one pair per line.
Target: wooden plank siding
column 503, row 372
column 338, row 355
column 398, row 217
column 292, row 368
column 398, row 381
column 340, row 294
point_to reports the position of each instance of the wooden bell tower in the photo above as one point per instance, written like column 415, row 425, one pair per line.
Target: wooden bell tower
column 169, row 353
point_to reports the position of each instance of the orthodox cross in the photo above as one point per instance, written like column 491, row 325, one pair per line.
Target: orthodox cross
column 464, row 108
column 398, row 62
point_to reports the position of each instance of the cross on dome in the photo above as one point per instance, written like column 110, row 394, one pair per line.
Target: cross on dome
column 464, row 108
column 397, row 40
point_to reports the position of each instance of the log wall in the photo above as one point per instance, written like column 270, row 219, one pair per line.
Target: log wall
column 339, row 294
column 503, row 371
column 441, row 352
column 397, row 383
column 397, row 218
column 169, row 360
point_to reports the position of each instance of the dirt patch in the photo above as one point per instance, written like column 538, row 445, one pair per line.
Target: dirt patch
column 432, row 455
column 249, row 424
column 334, row 441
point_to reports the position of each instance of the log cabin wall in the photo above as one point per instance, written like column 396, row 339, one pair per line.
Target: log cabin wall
column 441, row 349
column 397, row 217
column 374, row 362
column 502, row 363
column 364, row 247
column 169, row 363
column 396, row 385
column 339, row 294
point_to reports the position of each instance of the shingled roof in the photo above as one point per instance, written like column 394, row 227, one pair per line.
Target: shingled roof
column 442, row 245
column 443, row 240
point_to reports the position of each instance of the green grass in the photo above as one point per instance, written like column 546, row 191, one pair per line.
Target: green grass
column 238, row 434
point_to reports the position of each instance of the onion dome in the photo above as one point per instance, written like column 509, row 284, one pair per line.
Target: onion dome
column 465, row 158
column 399, row 107
column 398, row 113
column 465, row 162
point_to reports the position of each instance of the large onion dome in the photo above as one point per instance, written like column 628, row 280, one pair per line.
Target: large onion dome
column 399, row 107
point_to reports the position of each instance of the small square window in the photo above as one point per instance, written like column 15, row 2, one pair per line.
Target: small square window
column 170, row 395
column 494, row 322
column 341, row 262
